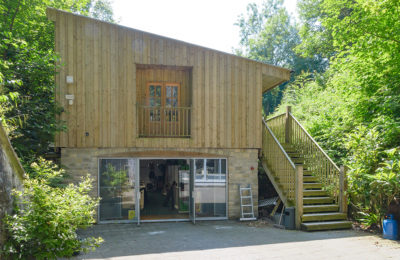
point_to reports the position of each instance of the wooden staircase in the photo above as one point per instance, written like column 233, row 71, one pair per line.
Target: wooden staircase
column 320, row 212
column 303, row 175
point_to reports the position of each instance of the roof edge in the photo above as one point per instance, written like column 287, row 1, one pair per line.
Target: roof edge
column 51, row 15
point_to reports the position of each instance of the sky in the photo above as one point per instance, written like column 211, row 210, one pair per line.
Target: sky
column 208, row 23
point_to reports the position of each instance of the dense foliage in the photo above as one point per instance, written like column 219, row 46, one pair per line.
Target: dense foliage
column 45, row 224
column 353, row 108
column 27, row 71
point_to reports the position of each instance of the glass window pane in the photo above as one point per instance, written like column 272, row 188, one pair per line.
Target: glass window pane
column 151, row 101
column 199, row 163
column 212, row 169
column 174, row 103
column 158, row 101
column 211, row 191
column 168, row 102
column 175, row 92
column 158, row 91
column 168, row 91
column 223, row 168
column 117, row 189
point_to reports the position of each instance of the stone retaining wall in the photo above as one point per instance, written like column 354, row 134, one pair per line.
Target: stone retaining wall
column 11, row 176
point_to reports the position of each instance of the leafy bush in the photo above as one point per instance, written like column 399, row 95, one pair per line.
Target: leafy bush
column 47, row 171
column 45, row 224
column 385, row 185
column 374, row 176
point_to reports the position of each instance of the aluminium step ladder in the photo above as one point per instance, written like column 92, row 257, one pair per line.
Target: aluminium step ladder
column 246, row 203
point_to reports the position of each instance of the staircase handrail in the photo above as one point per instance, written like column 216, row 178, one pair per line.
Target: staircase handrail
column 291, row 132
column 286, row 186
column 278, row 120
column 314, row 142
column 279, row 144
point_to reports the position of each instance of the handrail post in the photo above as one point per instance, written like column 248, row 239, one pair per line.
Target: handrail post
column 342, row 190
column 299, row 195
column 287, row 124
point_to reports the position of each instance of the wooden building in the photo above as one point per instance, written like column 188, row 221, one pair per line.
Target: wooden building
column 160, row 115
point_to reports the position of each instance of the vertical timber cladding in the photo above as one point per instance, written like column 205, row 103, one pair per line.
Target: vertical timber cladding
column 107, row 62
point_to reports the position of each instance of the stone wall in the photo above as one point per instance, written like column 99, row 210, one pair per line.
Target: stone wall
column 81, row 161
column 11, row 175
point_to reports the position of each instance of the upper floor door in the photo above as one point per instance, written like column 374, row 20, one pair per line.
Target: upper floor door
column 163, row 102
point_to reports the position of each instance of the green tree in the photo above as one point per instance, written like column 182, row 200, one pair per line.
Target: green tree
column 27, row 70
column 316, row 39
column 268, row 34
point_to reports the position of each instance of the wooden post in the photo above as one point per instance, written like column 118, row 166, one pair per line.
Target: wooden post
column 299, row 195
column 342, row 190
column 287, row 124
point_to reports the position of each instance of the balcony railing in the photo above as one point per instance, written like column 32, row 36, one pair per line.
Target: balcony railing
column 157, row 121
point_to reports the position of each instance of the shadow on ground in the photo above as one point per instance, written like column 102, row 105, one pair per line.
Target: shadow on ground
column 157, row 238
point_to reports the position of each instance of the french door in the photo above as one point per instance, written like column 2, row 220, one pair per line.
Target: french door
column 163, row 101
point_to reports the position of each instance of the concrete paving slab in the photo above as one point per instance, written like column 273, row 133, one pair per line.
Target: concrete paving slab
column 233, row 240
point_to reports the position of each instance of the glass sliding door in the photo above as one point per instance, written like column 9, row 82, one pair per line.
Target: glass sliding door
column 210, row 188
column 192, row 213
column 117, row 182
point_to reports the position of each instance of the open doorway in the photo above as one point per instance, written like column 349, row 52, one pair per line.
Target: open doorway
column 164, row 187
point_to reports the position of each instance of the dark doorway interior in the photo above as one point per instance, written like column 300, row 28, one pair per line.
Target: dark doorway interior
column 164, row 185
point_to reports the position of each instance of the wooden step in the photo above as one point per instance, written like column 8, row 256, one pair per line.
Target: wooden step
column 285, row 145
column 320, row 208
column 294, row 154
column 307, row 173
column 312, row 185
column 323, row 216
column 290, row 150
column 314, row 193
column 297, row 160
column 317, row 200
column 308, row 178
column 328, row 225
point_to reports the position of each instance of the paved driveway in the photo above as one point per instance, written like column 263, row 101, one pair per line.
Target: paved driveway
column 234, row 240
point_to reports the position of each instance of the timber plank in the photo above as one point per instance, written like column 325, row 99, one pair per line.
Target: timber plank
column 80, row 100
column 113, row 90
column 235, row 104
column 228, row 102
column 258, row 104
column 96, row 85
column 71, row 88
column 213, row 84
column 89, row 91
column 207, row 104
column 221, row 104
column 328, row 225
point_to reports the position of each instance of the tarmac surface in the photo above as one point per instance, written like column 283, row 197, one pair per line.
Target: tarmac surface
column 233, row 240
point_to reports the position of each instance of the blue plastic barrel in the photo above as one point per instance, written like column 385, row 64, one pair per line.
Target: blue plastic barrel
column 390, row 227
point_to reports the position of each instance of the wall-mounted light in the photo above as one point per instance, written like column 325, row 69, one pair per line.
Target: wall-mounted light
column 70, row 79
column 70, row 98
